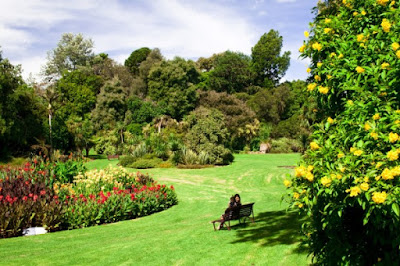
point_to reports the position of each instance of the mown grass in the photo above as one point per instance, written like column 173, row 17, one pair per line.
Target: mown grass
column 183, row 235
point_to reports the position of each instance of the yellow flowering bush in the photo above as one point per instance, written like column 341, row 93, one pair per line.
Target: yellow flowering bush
column 353, row 190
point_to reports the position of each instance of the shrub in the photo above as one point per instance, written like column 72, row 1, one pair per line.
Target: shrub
column 166, row 165
column 126, row 160
column 25, row 201
column 285, row 145
column 146, row 163
column 348, row 180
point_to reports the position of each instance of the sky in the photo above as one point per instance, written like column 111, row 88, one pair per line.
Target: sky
column 185, row 28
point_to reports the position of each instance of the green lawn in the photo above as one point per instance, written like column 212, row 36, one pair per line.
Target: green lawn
column 182, row 235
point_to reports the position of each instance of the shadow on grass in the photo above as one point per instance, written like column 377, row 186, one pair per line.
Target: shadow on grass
column 272, row 228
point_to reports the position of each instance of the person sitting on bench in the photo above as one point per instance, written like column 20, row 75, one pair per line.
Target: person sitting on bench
column 233, row 205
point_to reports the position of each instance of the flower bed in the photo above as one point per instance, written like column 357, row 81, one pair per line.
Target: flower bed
column 27, row 198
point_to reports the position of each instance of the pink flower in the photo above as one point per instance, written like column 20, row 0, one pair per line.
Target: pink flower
column 35, row 197
column 43, row 192
column 24, row 198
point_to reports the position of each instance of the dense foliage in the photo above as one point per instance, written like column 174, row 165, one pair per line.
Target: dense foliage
column 348, row 180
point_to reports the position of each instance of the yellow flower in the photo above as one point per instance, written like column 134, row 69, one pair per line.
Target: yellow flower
column 308, row 70
column 387, row 174
column 310, row 168
column 396, row 171
column 385, row 65
column 363, row 13
column 360, row 37
column 395, row 46
column 310, row 176
column 319, row 64
column 352, row 149
column 354, row 191
column 327, row 30
column 340, row 155
column 379, row 197
column 311, row 86
column 300, row 205
column 300, row 171
column 314, row 146
column 364, row 186
column 332, row 55
column 339, row 176
column 382, row 2
column 306, row 34
column 330, row 120
column 386, row 24
column 329, row 76
column 340, row 56
column 323, row 90
column 360, row 69
column 367, row 126
column 376, row 116
column 342, row 169
column 392, row 155
column 317, row 46
column 398, row 54
column 355, row 13
column 378, row 165
column 302, row 48
column 358, row 152
column 317, row 78
column 393, row 137
column 366, row 179
column 350, row 102
column 374, row 135
column 328, row 20
column 296, row 195
column 326, row 181
column 287, row 183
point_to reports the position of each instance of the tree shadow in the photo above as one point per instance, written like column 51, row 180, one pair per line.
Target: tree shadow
column 97, row 156
column 272, row 228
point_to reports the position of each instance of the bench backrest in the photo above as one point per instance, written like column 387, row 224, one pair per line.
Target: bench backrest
column 246, row 210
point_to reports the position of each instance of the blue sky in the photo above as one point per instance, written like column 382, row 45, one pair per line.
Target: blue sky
column 186, row 28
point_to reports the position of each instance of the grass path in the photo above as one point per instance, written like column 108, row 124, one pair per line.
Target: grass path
column 182, row 235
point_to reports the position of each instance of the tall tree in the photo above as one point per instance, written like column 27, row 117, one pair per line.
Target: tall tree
column 136, row 58
column 268, row 63
column 231, row 73
column 171, row 84
column 71, row 51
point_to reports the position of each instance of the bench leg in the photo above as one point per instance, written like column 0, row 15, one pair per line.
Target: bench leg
column 229, row 225
column 214, row 226
column 253, row 217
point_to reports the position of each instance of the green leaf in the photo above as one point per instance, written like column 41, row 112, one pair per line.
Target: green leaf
column 395, row 208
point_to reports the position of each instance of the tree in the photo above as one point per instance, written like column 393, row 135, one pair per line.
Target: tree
column 238, row 117
column 171, row 84
column 135, row 59
column 231, row 73
column 348, row 180
column 140, row 83
column 209, row 135
column 268, row 63
column 71, row 52
column 110, row 105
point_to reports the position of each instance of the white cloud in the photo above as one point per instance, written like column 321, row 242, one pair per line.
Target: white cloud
column 176, row 27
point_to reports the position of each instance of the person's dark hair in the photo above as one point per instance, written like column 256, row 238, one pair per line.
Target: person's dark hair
column 237, row 195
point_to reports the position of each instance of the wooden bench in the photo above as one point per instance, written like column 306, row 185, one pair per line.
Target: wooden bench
column 116, row 156
column 241, row 214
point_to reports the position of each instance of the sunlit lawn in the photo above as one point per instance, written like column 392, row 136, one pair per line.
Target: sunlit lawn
column 183, row 235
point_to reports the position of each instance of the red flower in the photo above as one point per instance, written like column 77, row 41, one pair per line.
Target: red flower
column 92, row 197
column 108, row 193
column 55, row 197
column 24, row 198
column 1, row 197
column 133, row 197
column 35, row 197
column 98, row 201
column 172, row 187
column 81, row 195
column 43, row 192
column 27, row 183
column 30, row 195
column 157, row 196
column 67, row 197
column 115, row 188
column 163, row 185
column 35, row 161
